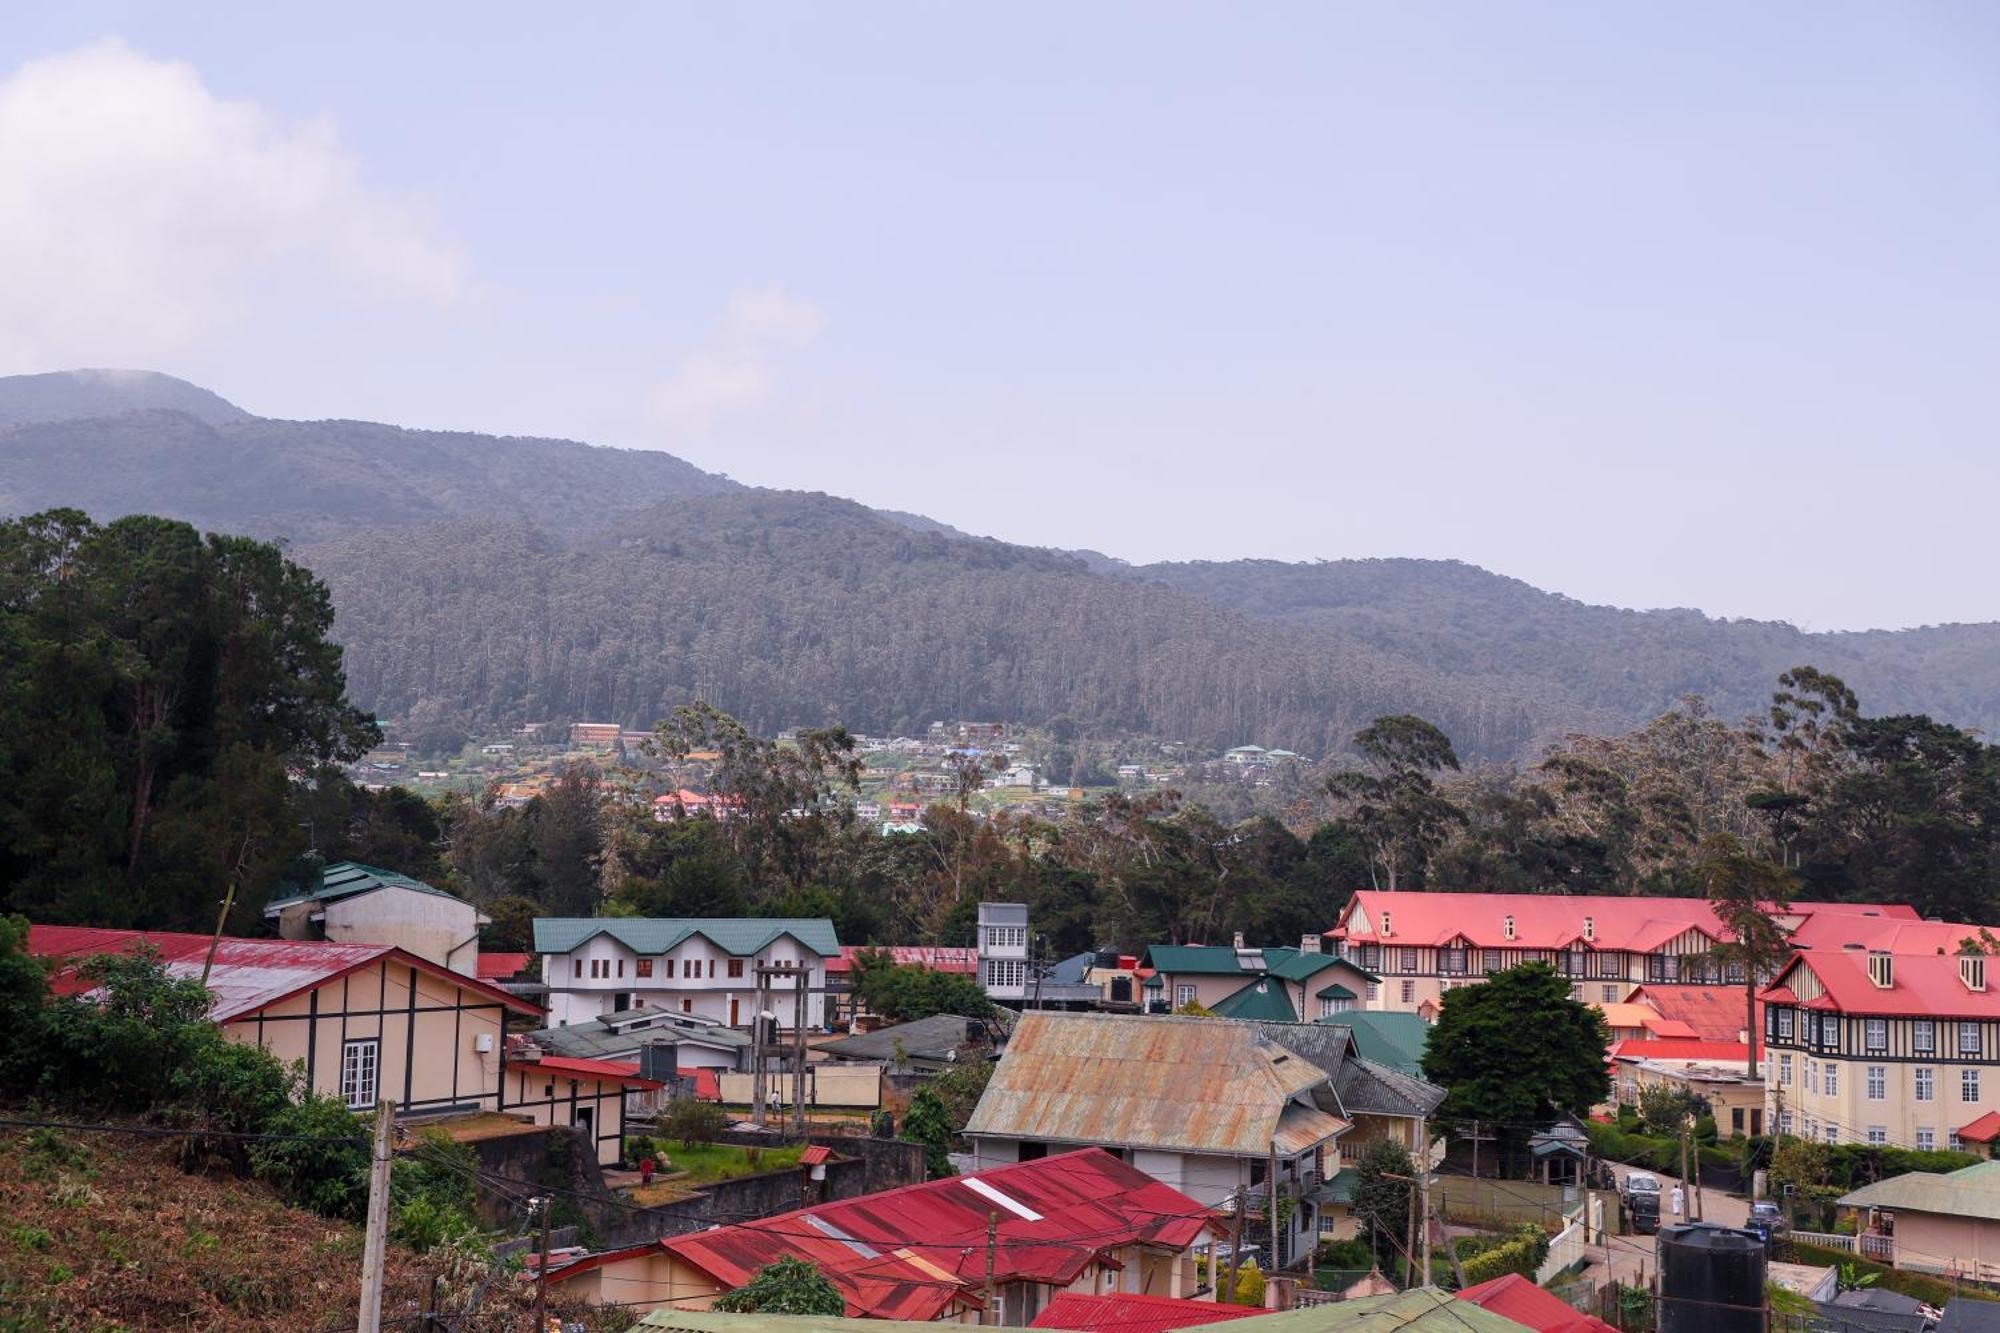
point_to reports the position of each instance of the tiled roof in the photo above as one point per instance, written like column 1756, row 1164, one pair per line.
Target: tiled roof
column 1148, row 1081
column 249, row 975
column 1520, row 1300
column 1716, row 1013
column 738, row 936
column 1925, row 986
column 1127, row 1313
column 912, row 1253
column 346, row 879
column 1263, row 999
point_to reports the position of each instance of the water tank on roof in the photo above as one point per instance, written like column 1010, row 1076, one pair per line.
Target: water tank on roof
column 1711, row 1279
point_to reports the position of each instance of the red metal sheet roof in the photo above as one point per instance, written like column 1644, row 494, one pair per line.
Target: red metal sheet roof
column 1716, row 1013
column 814, row 1155
column 1512, row 1296
column 249, row 975
column 1679, row 1048
column 936, row 957
column 1127, row 1313
column 911, row 1253
column 1925, row 985
column 1983, row 1130
column 604, row 1070
column 1554, row 921
column 499, row 966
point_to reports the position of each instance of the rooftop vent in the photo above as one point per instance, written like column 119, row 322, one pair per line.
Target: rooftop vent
column 1385, row 925
column 1309, row 944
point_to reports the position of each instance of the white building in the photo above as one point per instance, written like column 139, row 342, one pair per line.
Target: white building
column 1003, row 950
column 701, row 966
column 356, row 904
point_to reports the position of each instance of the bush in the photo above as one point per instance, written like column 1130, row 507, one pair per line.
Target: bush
column 329, row 1173
column 788, row 1286
column 692, row 1122
column 1249, row 1286
column 431, row 1193
column 1930, row 1290
column 1522, row 1254
column 1345, row 1254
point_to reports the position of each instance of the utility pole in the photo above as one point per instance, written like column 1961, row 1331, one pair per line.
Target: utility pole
column 1271, row 1202
column 1228, row 1293
column 992, row 1242
column 757, row 1075
column 799, row 1053
column 370, row 1319
column 544, row 1202
column 1410, row 1250
column 1424, row 1197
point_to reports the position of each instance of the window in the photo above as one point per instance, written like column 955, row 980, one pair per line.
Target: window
column 1832, row 1133
column 736, row 967
column 1968, row 1038
column 1877, row 1135
column 360, row 1062
column 621, row 967
column 1374, row 992
column 1183, row 996
column 1876, row 1034
column 1926, row 1083
column 1785, row 1071
column 1611, row 965
column 1371, row 957
column 670, row 969
column 1454, row 960
column 1832, row 1073
column 687, row 1006
column 1878, row 1083
column 643, row 967
column 1734, row 974
column 1736, row 1120
column 1492, row 960
column 1005, row 972
column 1785, row 1024
column 1610, row 994
column 1812, row 1076
column 1409, row 960
column 577, row 964
column 1829, row 1030
column 1968, row 1085
column 1926, row 1140
column 1784, row 1122
column 1330, row 1006
column 1923, row 1036
column 1954, row 1143
column 1006, row 937
column 1386, row 932
column 1409, row 992
column 1572, row 962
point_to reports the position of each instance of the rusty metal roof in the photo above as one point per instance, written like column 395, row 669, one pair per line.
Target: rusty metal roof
column 1148, row 1081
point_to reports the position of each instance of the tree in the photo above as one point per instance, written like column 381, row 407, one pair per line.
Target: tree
column 904, row 993
column 928, row 1121
column 1394, row 801
column 1516, row 1052
column 1665, row 1109
column 1382, row 1195
column 786, row 1286
column 693, row 1122
column 1746, row 893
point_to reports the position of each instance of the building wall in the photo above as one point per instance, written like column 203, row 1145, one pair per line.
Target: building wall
column 1795, row 1084
column 1208, row 991
column 1968, row 1247
column 443, row 930
column 425, row 1030
column 700, row 982
column 1633, row 1077
column 548, row 1097
column 1416, row 974
column 827, row 1084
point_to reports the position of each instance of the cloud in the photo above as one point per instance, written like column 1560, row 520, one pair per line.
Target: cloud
column 140, row 213
column 737, row 366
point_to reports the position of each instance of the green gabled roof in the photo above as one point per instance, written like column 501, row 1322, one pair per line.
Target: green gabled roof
column 1194, row 960
column 1298, row 965
column 739, row 936
column 345, row 879
column 1263, row 999
column 1393, row 1039
column 1334, row 992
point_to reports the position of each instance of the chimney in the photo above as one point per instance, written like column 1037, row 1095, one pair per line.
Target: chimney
column 1239, row 941
column 1309, row 943
column 1881, row 969
column 1972, row 971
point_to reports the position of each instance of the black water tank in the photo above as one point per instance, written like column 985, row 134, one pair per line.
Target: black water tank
column 1711, row 1279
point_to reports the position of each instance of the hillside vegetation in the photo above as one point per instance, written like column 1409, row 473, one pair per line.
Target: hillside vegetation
column 490, row 580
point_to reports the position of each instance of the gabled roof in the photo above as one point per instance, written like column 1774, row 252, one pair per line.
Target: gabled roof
column 1645, row 1018
column 1263, row 999
column 738, row 936
column 1925, row 986
column 1972, row 1191
column 1211, row 1085
column 1395, row 1039
column 935, row 1040
column 1556, row 921
column 1367, row 1088
column 1301, row 965
column 914, row 1252
column 249, row 975
column 604, row 1071
column 1418, row 1310
column 1893, row 928
column 1520, row 1300
column 623, row 1034
column 1128, row 1313
column 1198, row 960
column 1983, row 1130
column 349, row 879
column 1716, row 1013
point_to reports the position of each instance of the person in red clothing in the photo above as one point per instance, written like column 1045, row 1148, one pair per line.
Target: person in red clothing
column 646, row 1169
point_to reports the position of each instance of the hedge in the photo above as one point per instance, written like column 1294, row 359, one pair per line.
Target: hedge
column 1933, row 1291
column 1523, row 1254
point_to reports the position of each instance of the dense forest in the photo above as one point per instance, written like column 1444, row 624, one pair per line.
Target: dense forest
column 173, row 712
column 484, row 581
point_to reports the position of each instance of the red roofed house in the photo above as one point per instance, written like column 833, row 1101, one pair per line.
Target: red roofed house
column 1423, row 945
column 1868, row 1046
column 1077, row 1221
column 1125, row 1313
column 365, row 1020
column 567, row 1090
column 1514, row 1297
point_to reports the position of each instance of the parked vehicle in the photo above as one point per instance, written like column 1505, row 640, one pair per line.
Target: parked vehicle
column 1768, row 1221
column 1641, row 1197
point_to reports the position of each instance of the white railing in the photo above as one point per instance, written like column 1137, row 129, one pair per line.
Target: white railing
column 1830, row 1240
column 1565, row 1248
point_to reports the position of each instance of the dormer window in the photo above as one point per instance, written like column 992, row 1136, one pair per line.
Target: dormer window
column 1590, row 927
column 1882, row 969
column 1385, row 925
column 1507, row 927
column 1972, row 971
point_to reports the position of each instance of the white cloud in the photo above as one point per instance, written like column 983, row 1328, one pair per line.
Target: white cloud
column 737, row 366
column 140, row 213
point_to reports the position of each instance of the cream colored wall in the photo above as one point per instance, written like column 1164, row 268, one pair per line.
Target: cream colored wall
column 1899, row 1113
column 1968, row 1247
column 442, row 930
column 426, row 1055
column 528, row 1094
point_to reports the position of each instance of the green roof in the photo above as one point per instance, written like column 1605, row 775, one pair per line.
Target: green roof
column 1393, row 1039
column 1298, row 965
column 1972, row 1191
column 1425, row 1309
column 1263, row 999
column 739, row 936
column 1334, row 992
column 345, row 879
column 1194, row 960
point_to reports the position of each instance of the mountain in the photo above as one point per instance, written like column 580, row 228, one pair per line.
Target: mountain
column 483, row 581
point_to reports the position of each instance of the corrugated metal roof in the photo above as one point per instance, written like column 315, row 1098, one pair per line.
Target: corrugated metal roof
column 249, row 974
column 1390, row 1038
column 935, row 957
column 1520, row 1300
column 1263, row 999
column 345, row 879
column 1423, row 1309
column 1150, row 1081
column 604, row 1070
column 1972, row 1191
column 1124, row 1312
column 738, row 936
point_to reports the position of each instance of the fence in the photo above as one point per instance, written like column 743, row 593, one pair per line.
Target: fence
column 826, row 1085
column 1882, row 1249
column 1566, row 1247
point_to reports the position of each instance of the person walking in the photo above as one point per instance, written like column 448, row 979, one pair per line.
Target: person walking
column 1677, row 1198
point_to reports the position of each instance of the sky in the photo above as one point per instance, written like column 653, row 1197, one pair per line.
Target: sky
column 1669, row 305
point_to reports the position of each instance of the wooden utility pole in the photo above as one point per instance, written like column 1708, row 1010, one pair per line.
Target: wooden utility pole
column 992, row 1243
column 1424, row 1199
column 1228, row 1293
column 1410, row 1250
column 370, row 1319
column 757, row 1073
column 1271, row 1203
column 546, row 1203
column 799, row 1054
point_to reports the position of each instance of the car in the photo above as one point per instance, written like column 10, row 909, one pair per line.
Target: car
column 1642, row 1182
column 1641, row 1197
column 1769, row 1222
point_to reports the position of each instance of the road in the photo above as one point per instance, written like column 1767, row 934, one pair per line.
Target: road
column 1630, row 1259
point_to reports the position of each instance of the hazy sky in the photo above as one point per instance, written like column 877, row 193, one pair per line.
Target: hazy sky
column 1658, row 305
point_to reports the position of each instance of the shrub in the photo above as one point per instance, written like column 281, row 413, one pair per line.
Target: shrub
column 1352, row 1253
column 1522, row 1254
column 1249, row 1286
column 789, row 1286
column 431, row 1194
column 693, row 1122
column 326, row 1168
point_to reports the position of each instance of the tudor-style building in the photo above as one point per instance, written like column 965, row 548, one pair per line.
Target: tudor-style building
column 702, row 966
column 1868, row 1046
column 1425, row 944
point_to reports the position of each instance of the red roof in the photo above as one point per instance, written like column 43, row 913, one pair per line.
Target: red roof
column 707, row 1085
column 814, row 1155
column 1127, row 1313
column 249, row 975
column 602, row 1070
column 915, row 1252
column 1715, row 1013
column 1894, row 928
column 936, row 957
column 499, row 966
column 1680, row 1048
column 1926, row 985
column 1512, row 1296
column 1556, row 921
column 1983, row 1130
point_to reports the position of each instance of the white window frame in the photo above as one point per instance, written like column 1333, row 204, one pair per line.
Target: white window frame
column 1923, row 1036
column 1878, row 1135
column 1184, row 994
column 1968, row 1038
column 361, row 1073
column 1831, row 1074
column 1923, row 1081
column 1784, row 1024
column 1785, row 1070
column 1926, row 1140
column 1875, row 1086
column 1968, row 1085
column 1832, row 1132
column 1829, row 1030
column 1875, row 1035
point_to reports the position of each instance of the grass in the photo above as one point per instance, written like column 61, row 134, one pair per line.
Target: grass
column 709, row 1162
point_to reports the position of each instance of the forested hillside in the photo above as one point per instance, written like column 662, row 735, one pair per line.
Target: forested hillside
column 482, row 581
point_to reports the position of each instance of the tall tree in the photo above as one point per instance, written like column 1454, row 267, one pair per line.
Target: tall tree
column 1394, row 800
column 1747, row 892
